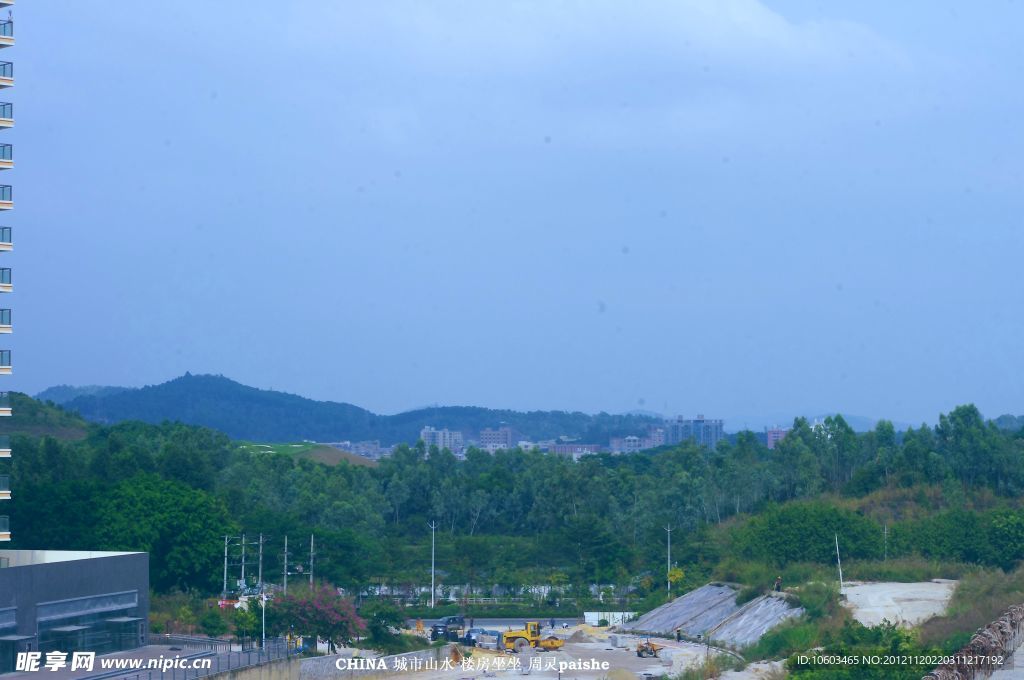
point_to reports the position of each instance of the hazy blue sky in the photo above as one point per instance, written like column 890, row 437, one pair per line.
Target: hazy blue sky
column 739, row 208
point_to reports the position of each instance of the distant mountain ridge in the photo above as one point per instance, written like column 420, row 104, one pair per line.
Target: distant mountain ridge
column 62, row 394
column 244, row 412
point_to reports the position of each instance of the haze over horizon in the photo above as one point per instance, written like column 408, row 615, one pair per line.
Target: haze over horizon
column 730, row 208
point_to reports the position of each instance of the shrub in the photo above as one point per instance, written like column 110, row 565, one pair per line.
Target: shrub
column 806, row 532
column 819, row 600
column 979, row 598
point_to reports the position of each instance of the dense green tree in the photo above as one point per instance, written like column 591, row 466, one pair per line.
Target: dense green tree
column 181, row 528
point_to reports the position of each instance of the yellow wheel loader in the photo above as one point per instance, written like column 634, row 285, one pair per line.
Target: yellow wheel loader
column 648, row 648
column 529, row 636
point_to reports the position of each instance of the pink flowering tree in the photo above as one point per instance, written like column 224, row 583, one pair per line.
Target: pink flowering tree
column 319, row 611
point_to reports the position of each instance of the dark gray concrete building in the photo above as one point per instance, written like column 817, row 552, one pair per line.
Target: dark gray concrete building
column 67, row 601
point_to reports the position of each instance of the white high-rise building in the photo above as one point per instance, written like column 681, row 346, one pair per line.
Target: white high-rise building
column 442, row 439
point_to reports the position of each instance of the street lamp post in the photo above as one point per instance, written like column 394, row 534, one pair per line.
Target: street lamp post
column 263, row 603
column 433, row 528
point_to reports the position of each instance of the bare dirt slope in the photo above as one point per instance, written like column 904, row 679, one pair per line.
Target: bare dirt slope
column 907, row 604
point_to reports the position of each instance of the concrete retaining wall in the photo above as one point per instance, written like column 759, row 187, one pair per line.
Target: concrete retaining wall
column 282, row 669
column 711, row 612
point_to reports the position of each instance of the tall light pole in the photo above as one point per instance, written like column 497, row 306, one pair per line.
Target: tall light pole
column 668, row 562
column 263, row 598
column 433, row 529
column 224, row 591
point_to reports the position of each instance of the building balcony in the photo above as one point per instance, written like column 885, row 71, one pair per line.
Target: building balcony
column 6, row 32
column 6, row 73
column 5, row 528
column 5, row 446
column 5, row 362
column 5, row 487
column 5, row 321
column 5, row 280
column 6, row 156
column 6, row 197
column 6, row 115
column 6, row 244
column 5, row 403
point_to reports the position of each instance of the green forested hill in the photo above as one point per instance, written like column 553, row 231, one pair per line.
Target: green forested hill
column 949, row 493
column 265, row 415
column 32, row 417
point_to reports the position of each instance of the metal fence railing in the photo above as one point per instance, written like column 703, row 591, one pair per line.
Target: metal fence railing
column 5, row 482
column 5, row 317
column 5, row 441
column 5, row 358
column 5, row 192
column 5, row 275
column 5, row 399
column 6, row 152
column 6, row 234
column 6, row 29
column 7, row 110
column 220, row 662
column 5, row 524
column 191, row 642
column 6, row 69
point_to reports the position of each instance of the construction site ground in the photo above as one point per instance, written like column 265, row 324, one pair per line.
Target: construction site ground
column 907, row 604
column 589, row 654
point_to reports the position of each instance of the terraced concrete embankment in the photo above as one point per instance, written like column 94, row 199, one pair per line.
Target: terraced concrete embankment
column 711, row 612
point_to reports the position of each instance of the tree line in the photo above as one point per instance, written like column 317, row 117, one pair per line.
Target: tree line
column 518, row 517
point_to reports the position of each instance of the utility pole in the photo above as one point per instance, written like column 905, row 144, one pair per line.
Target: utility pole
column 668, row 560
column 433, row 528
column 263, row 603
column 243, row 561
column 840, row 563
column 286, row 564
column 260, row 573
column 311, row 553
column 263, row 599
column 224, row 590
column 885, row 542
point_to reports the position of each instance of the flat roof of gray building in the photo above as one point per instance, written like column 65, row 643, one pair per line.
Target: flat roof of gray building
column 27, row 558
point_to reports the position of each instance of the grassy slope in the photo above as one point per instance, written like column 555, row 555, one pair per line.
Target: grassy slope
column 328, row 455
column 40, row 419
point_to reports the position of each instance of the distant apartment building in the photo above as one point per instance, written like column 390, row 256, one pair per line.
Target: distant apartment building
column 701, row 430
column 630, row 444
column 442, row 439
column 655, row 437
column 575, row 450
column 367, row 449
column 774, row 435
column 494, row 440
